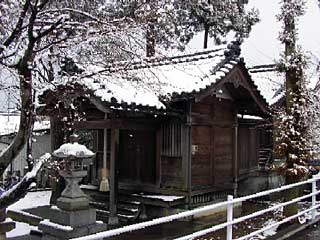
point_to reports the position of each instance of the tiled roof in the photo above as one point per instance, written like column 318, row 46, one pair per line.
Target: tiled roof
column 268, row 81
column 149, row 82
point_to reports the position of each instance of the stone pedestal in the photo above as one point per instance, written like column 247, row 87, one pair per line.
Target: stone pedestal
column 55, row 231
column 72, row 217
column 72, row 197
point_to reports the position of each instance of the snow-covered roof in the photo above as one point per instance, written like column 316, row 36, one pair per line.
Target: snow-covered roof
column 268, row 81
column 148, row 81
column 9, row 123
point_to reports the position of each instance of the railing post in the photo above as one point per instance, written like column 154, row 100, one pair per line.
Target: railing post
column 229, row 217
column 314, row 197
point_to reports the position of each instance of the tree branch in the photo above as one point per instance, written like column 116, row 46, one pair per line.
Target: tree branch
column 50, row 29
column 20, row 189
column 16, row 31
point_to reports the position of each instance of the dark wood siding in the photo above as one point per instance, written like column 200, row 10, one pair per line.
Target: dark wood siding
column 223, row 155
column 171, row 139
column 201, row 158
column 137, row 156
column 171, row 155
column 247, row 149
column 213, row 123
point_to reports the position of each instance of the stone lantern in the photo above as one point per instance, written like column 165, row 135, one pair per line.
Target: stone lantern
column 74, row 154
column 72, row 217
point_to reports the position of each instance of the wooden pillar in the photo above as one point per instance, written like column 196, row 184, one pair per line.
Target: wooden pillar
column 56, row 133
column 253, row 149
column 189, row 161
column 235, row 160
column 113, row 218
column 158, row 158
column 104, row 184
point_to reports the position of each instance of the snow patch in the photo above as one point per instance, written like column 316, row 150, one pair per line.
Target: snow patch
column 9, row 123
column 20, row 230
column 165, row 198
column 55, row 225
column 31, row 200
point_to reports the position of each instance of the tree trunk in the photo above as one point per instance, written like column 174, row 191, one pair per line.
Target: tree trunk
column 7, row 156
column 206, row 36
column 151, row 40
column 290, row 194
column 292, row 89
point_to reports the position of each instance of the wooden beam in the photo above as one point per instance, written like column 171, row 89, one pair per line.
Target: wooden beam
column 115, row 124
column 200, row 122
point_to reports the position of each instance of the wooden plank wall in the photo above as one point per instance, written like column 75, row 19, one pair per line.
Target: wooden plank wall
column 202, row 165
column 172, row 174
column 223, row 155
column 248, row 146
column 213, row 123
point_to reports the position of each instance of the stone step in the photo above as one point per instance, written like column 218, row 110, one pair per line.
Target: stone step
column 265, row 156
column 127, row 212
column 103, row 215
column 122, row 207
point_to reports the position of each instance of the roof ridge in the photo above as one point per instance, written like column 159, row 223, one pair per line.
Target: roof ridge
column 263, row 68
column 271, row 65
column 163, row 60
column 231, row 51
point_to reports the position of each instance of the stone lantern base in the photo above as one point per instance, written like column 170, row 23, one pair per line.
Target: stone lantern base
column 70, row 224
column 72, row 217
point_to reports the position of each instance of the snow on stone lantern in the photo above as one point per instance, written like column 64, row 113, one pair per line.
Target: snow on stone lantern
column 73, row 154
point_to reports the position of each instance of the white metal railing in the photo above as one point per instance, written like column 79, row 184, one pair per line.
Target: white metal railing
column 230, row 220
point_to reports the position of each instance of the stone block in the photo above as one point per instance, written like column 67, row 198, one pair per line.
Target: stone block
column 71, row 204
column 52, row 231
column 73, row 218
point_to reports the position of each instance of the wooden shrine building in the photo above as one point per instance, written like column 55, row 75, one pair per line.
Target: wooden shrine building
column 170, row 126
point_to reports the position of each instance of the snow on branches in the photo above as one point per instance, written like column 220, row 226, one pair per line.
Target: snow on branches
column 295, row 124
column 176, row 22
column 290, row 11
column 294, row 129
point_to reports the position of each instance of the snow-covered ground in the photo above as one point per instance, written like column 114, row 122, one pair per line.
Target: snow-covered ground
column 9, row 123
column 32, row 199
column 42, row 198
